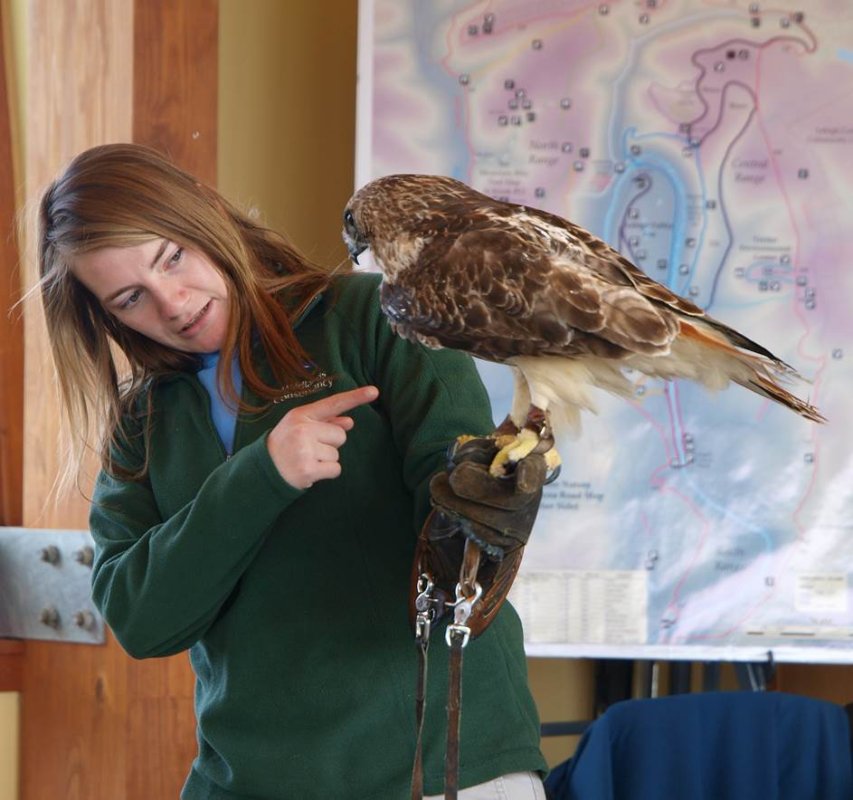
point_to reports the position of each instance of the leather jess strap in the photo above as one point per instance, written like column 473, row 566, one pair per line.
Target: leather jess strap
column 458, row 633
column 467, row 556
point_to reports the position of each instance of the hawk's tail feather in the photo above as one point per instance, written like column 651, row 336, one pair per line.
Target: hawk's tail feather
column 744, row 342
column 719, row 360
column 761, row 384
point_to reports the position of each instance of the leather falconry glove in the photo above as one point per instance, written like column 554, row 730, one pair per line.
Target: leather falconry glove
column 497, row 514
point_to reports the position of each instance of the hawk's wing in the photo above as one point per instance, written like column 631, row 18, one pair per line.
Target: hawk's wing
column 498, row 291
column 610, row 263
column 529, row 283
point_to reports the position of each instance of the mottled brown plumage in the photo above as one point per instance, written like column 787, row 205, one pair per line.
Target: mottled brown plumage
column 527, row 288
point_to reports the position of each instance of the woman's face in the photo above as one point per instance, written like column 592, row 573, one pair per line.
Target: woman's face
column 168, row 293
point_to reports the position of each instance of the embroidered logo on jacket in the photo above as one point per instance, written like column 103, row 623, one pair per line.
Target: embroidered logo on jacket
column 305, row 387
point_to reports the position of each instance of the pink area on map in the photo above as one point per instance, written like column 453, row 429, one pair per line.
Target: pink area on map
column 533, row 100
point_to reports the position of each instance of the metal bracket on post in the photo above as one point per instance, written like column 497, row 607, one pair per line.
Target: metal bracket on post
column 45, row 586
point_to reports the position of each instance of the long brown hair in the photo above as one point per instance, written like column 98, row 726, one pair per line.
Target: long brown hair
column 122, row 195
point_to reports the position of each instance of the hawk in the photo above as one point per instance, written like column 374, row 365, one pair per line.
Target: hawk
column 523, row 287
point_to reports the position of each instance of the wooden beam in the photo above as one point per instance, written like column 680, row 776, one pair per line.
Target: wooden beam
column 78, row 95
column 95, row 723
column 11, row 323
column 175, row 91
column 175, row 88
column 11, row 652
column 73, row 697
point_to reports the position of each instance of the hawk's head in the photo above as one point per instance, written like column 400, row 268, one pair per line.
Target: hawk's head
column 396, row 214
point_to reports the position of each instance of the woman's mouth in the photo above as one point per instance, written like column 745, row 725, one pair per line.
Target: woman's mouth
column 192, row 326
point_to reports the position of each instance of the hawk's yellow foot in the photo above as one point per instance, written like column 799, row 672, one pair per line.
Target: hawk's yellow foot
column 520, row 446
column 515, row 444
column 511, row 453
column 501, row 436
column 508, row 444
column 552, row 460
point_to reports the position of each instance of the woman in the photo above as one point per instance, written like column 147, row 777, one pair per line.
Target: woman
column 266, row 453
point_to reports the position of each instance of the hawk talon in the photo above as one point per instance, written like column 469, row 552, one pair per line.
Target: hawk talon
column 467, row 447
column 509, row 455
column 552, row 459
column 454, row 446
column 516, row 448
column 553, row 466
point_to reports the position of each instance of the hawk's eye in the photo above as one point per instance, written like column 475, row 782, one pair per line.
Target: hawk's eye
column 349, row 219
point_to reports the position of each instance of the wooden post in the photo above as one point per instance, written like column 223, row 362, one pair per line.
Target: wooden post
column 95, row 724
column 11, row 323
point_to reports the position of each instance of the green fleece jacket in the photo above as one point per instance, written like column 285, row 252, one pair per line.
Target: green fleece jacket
column 293, row 604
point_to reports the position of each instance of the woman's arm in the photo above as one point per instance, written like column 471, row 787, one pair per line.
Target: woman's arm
column 161, row 583
column 429, row 396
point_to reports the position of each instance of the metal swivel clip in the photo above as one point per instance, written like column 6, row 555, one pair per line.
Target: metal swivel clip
column 461, row 612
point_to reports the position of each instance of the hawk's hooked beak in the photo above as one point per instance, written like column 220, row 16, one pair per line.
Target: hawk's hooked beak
column 355, row 248
column 353, row 239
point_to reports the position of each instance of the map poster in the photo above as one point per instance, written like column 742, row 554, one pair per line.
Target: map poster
column 711, row 142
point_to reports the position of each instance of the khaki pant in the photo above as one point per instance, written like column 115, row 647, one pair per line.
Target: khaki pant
column 517, row 786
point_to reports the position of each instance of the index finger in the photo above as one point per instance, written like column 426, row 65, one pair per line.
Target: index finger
column 336, row 404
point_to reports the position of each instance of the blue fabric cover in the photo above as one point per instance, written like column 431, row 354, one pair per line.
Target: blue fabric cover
column 712, row 746
column 224, row 417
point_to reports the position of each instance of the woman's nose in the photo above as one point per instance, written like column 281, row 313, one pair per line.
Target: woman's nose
column 171, row 299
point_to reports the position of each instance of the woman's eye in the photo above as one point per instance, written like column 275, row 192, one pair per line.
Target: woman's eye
column 130, row 300
column 177, row 256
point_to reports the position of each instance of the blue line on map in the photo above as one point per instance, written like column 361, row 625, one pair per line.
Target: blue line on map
column 679, row 253
column 452, row 133
column 725, row 511
column 678, row 220
column 703, row 196
column 608, row 227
